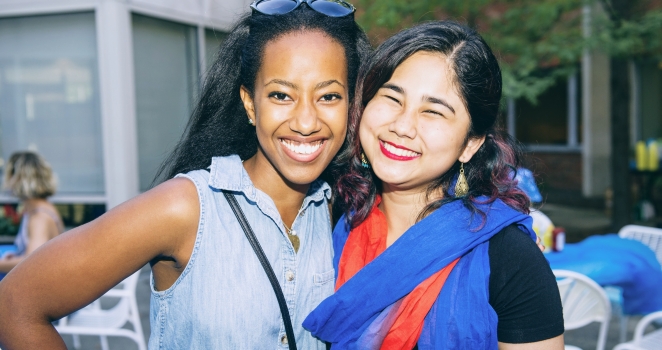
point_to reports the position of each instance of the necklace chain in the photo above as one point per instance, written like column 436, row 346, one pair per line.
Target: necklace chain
column 291, row 234
column 294, row 239
column 287, row 229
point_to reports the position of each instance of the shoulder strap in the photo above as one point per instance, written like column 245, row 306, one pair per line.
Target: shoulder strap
column 265, row 264
column 55, row 217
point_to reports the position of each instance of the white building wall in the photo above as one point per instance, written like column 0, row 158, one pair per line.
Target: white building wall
column 116, row 71
column 219, row 14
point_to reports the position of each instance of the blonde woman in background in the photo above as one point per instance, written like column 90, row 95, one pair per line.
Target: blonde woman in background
column 30, row 178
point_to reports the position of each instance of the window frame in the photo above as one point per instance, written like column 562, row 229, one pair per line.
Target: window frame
column 117, row 94
column 572, row 145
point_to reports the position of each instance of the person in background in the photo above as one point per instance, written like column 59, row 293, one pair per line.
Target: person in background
column 542, row 224
column 527, row 183
column 30, row 178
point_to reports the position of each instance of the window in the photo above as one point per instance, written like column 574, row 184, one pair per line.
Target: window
column 49, row 96
column 166, row 71
column 553, row 122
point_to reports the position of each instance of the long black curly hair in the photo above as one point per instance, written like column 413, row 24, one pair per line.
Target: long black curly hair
column 218, row 125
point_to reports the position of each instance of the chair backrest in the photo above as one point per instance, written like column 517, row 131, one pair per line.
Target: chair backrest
column 129, row 284
column 108, row 321
column 119, row 314
column 584, row 302
column 642, row 340
column 650, row 236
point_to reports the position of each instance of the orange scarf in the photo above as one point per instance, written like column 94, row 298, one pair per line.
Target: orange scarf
column 364, row 244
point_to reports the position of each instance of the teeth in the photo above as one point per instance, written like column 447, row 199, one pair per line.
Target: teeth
column 400, row 152
column 302, row 148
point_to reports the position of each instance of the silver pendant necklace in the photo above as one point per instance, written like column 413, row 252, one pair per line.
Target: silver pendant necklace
column 292, row 234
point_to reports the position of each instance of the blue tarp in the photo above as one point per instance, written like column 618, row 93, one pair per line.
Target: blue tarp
column 4, row 250
column 613, row 261
column 7, row 248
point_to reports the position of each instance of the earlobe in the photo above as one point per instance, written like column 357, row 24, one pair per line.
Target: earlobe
column 473, row 145
column 249, row 106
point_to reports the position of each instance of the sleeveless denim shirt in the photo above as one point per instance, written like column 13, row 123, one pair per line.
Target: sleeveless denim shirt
column 223, row 298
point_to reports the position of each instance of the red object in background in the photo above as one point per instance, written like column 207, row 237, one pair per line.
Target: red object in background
column 11, row 213
column 558, row 239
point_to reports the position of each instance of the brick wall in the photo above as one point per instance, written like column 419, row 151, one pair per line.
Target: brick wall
column 559, row 177
column 561, row 171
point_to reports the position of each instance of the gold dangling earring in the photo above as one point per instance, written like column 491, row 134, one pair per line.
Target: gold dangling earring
column 364, row 161
column 461, row 186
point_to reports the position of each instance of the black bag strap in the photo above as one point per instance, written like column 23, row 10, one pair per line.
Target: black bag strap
column 267, row 267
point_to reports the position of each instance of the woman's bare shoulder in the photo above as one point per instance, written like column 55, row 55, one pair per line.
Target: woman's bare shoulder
column 178, row 198
column 176, row 202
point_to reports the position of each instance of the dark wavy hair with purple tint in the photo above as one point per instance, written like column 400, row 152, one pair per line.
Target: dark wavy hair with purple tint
column 490, row 172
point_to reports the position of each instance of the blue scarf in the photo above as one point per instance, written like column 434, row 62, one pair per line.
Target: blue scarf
column 461, row 318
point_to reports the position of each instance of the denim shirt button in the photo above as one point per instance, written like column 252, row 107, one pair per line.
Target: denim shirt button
column 289, row 275
column 283, row 339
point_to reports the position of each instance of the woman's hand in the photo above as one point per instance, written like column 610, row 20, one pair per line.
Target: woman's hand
column 540, row 244
column 555, row 343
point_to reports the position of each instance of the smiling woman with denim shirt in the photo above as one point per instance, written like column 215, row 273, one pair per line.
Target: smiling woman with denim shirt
column 271, row 118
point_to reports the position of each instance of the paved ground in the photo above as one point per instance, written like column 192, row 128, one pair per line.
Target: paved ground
column 578, row 224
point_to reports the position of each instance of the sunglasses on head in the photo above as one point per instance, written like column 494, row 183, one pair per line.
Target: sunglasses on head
column 331, row 8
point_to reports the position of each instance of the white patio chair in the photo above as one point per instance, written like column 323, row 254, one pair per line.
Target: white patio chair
column 641, row 341
column 95, row 320
column 650, row 236
column 584, row 302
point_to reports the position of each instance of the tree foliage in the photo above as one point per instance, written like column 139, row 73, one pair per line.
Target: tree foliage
column 537, row 42
column 632, row 30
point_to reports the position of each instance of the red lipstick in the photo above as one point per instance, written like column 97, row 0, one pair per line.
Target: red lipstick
column 394, row 156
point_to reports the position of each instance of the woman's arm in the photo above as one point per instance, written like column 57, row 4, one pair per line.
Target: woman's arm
column 555, row 343
column 77, row 267
column 8, row 263
column 524, row 293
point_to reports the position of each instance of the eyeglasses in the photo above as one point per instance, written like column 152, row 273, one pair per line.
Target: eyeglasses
column 331, row 8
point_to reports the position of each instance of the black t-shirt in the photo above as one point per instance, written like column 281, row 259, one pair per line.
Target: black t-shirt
column 523, row 289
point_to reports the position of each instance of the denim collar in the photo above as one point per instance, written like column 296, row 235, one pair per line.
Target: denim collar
column 228, row 173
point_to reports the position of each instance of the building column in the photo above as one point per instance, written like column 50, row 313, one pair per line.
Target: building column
column 118, row 111
column 596, row 117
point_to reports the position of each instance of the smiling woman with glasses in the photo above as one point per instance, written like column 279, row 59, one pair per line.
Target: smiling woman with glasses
column 238, row 236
